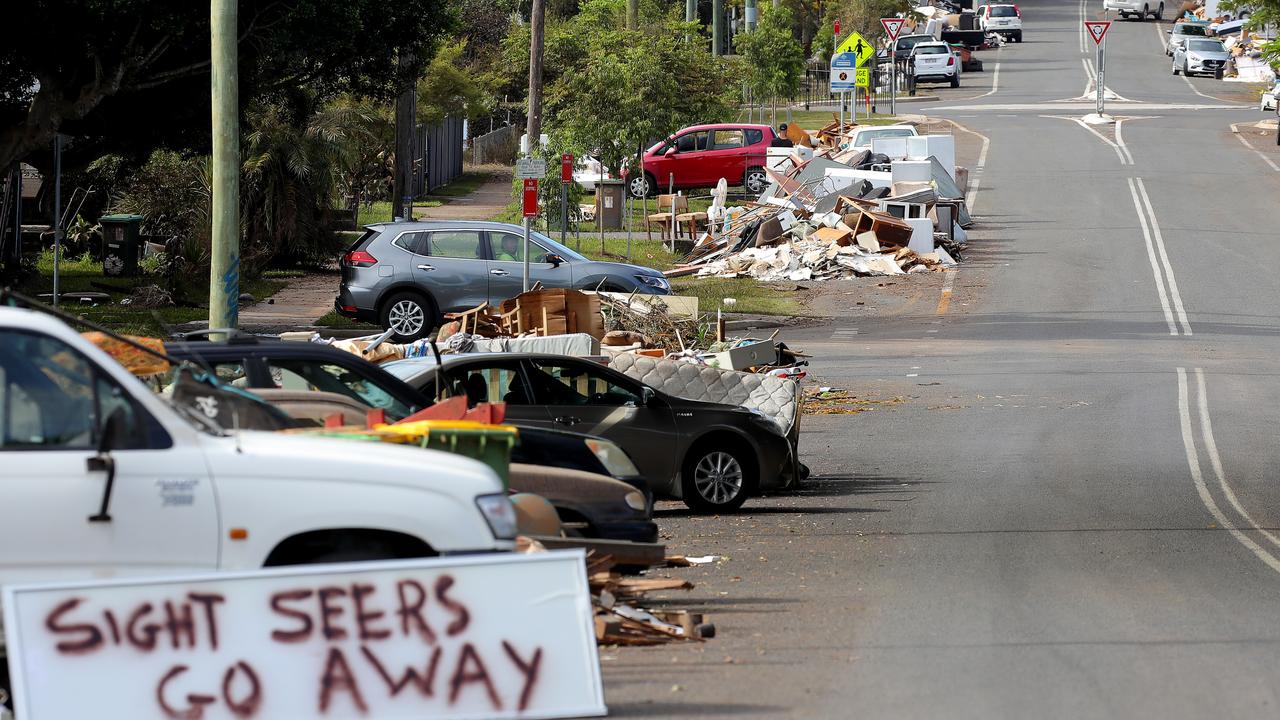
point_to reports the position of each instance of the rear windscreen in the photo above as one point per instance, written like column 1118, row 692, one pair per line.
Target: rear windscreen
column 1003, row 11
column 363, row 242
column 932, row 50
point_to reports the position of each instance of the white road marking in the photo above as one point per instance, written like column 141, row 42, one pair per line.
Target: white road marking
column 1120, row 139
column 1073, row 104
column 1193, row 463
column 1215, row 461
column 1164, row 259
column 1119, row 152
column 1255, row 151
column 995, row 83
column 1151, row 256
column 1080, row 27
column 975, row 177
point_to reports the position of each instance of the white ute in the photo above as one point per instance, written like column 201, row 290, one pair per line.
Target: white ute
column 80, row 434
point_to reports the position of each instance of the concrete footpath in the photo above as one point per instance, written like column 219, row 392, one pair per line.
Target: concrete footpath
column 487, row 202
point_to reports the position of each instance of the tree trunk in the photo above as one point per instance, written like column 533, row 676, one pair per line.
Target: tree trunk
column 633, row 14
column 402, row 178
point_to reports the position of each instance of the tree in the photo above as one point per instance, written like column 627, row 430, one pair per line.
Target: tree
column 775, row 61
column 1262, row 14
column 72, row 57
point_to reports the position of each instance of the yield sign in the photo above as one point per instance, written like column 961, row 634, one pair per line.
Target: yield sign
column 892, row 26
column 1097, row 29
column 859, row 46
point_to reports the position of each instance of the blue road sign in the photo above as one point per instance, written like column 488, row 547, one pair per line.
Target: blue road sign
column 844, row 68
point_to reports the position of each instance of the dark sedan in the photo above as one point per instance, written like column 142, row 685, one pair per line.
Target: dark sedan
column 711, row 456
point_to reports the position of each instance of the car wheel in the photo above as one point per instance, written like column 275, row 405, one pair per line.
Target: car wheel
column 715, row 479
column 1160, row 12
column 408, row 316
column 1017, row 37
column 1175, row 69
column 755, row 180
column 1184, row 69
column 955, row 81
column 1146, row 10
column 1217, row 74
column 641, row 186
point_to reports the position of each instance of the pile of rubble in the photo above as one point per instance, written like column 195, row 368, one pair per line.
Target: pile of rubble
column 838, row 211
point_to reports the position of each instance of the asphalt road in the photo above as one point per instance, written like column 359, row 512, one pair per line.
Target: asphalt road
column 1061, row 499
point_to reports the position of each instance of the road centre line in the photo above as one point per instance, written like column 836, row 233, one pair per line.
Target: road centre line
column 1240, row 136
column 975, row 177
column 1120, row 153
column 1151, row 256
column 995, row 83
column 1164, row 259
column 1197, row 477
column 1120, row 139
column 1215, row 460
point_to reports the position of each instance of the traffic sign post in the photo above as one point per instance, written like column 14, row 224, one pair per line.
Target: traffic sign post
column 1098, row 31
column 566, row 177
column 530, row 211
column 892, row 27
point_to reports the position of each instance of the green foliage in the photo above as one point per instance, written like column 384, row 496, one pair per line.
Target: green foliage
column 172, row 193
column 864, row 17
column 1263, row 14
column 68, row 263
column 775, row 61
column 448, row 88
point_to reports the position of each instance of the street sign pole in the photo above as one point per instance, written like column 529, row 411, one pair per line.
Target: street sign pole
column 893, row 79
column 526, row 254
column 1102, row 70
column 1098, row 32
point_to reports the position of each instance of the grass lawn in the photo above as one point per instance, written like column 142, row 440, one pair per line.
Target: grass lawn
column 753, row 297
column 85, row 275
column 649, row 253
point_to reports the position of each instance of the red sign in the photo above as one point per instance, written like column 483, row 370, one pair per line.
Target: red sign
column 566, row 168
column 1097, row 29
column 836, row 27
column 530, row 198
column 892, row 26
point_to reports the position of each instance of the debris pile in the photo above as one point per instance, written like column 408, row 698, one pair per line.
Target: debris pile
column 844, row 211
column 620, row 622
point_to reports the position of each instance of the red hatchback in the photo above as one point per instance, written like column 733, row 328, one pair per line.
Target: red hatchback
column 698, row 156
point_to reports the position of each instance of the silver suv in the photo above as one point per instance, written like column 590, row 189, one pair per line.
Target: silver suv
column 405, row 275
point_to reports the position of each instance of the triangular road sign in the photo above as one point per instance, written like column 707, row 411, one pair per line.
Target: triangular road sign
column 892, row 26
column 1097, row 29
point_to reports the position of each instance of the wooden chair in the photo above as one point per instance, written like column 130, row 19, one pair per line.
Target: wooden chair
column 689, row 221
column 674, row 205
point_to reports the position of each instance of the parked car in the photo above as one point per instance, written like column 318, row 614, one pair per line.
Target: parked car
column 588, row 171
column 267, row 367
column 1005, row 20
column 587, row 503
column 1200, row 57
column 904, row 44
column 698, row 156
column 862, row 136
column 105, row 478
column 1270, row 99
column 405, row 275
column 1181, row 31
column 936, row 62
column 1141, row 9
column 711, row 456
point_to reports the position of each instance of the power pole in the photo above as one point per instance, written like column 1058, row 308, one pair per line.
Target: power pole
column 717, row 27
column 752, row 15
column 224, row 265
column 402, row 182
column 533, row 128
column 633, row 13
column 690, row 10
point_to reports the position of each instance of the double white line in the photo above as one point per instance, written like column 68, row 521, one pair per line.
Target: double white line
column 1166, row 284
column 1215, row 463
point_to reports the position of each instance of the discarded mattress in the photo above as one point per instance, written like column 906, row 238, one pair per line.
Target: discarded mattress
column 777, row 398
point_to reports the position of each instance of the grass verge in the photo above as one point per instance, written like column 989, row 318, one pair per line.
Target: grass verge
column 752, row 296
column 333, row 320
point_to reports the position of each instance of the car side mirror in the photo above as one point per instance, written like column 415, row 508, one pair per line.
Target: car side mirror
column 670, row 152
column 103, row 462
column 554, row 259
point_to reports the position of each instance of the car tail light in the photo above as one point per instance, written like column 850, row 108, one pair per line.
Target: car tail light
column 951, row 61
column 1016, row 11
column 359, row 258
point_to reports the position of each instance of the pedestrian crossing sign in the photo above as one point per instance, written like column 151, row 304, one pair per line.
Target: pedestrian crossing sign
column 859, row 46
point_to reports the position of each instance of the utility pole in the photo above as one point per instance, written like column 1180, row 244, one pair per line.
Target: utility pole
column 717, row 27
column 690, row 10
column 633, row 14
column 752, row 15
column 224, row 265
column 533, row 128
column 402, row 182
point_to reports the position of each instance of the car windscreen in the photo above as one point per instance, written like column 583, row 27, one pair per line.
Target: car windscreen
column 932, row 50
column 1003, row 11
column 1187, row 29
column 1212, row 46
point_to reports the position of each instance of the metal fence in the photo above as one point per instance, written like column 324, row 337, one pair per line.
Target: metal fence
column 815, row 89
column 438, row 151
column 499, row 147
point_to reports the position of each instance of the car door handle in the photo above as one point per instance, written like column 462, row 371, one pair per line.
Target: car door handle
column 428, row 268
column 563, row 420
column 499, row 272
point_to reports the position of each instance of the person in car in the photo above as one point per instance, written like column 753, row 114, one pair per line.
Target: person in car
column 510, row 250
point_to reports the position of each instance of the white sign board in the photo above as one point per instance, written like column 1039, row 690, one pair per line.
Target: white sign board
column 531, row 168
column 499, row 636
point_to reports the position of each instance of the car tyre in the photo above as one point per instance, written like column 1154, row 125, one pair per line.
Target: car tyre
column 1017, row 37
column 1160, row 12
column 1175, row 69
column 408, row 315
column 716, row 478
column 755, row 180
column 955, row 81
column 1217, row 74
column 1146, row 11
column 641, row 186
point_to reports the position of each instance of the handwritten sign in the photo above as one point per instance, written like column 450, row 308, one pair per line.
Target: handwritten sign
column 479, row 637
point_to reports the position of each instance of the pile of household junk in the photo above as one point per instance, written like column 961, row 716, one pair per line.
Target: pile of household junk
column 1245, row 45
column 837, row 211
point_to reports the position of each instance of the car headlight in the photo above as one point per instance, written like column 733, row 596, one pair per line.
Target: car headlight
column 654, row 281
column 614, row 458
column 636, row 501
column 500, row 514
